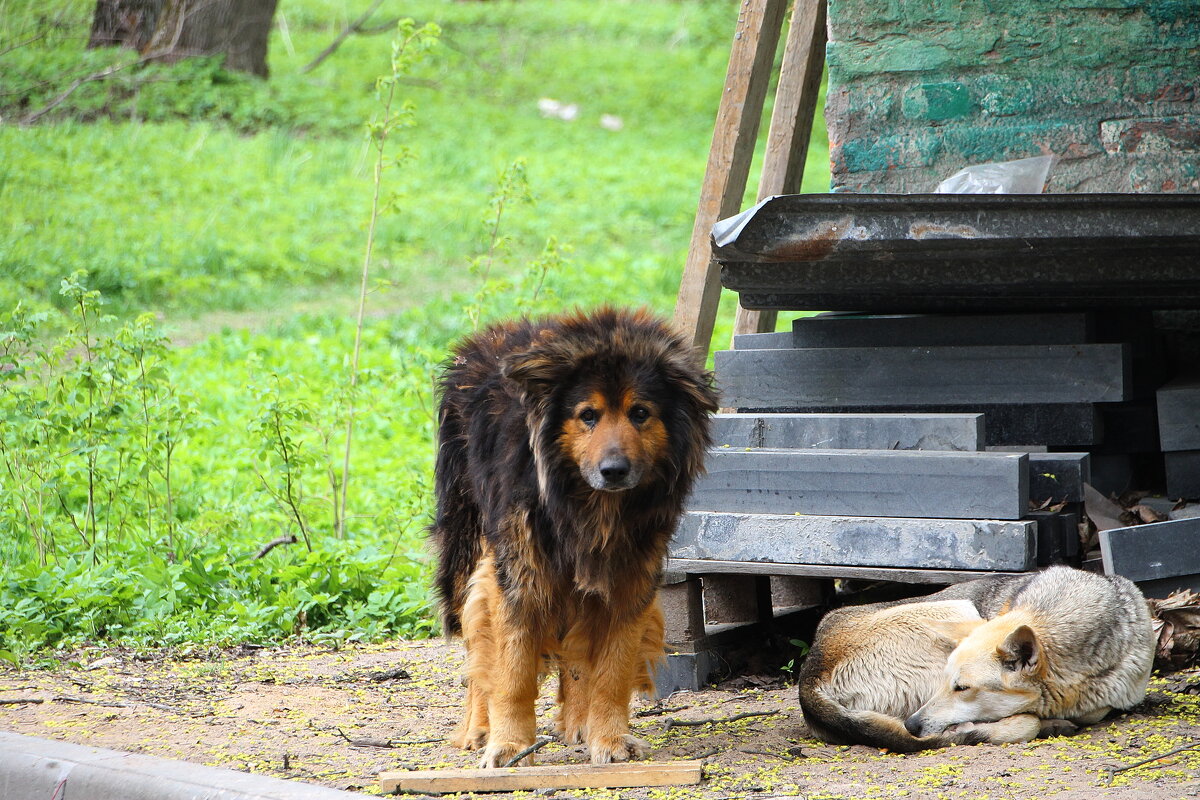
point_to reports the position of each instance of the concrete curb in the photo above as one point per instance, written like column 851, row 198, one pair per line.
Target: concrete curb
column 43, row 769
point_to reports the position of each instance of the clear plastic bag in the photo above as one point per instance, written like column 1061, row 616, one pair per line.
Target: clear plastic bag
column 1023, row 176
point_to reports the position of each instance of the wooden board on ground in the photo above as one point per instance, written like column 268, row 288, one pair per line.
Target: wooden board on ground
column 1150, row 552
column 869, row 376
column 929, row 484
column 851, row 431
column 857, row 541
column 559, row 776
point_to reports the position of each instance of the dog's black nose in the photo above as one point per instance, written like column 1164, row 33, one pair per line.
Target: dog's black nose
column 913, row 725
column 614, row 469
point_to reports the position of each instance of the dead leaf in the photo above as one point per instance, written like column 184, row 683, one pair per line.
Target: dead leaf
column 1147, row 514
column 1176, row 622
column 1104, row 513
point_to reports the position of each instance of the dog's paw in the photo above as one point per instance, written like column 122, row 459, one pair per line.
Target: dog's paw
column 570, row 732
column 625, row 747
column 1056, row 727
column 473, row 739
column 499, row 754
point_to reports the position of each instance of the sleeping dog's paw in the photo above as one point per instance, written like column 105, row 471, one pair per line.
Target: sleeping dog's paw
column 1056, row 727
column 621, row 748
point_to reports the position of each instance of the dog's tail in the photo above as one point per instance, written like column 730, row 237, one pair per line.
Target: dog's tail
column 457, row 529
column 832, row 722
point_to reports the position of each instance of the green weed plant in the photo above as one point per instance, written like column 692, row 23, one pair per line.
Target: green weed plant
column 158, row 492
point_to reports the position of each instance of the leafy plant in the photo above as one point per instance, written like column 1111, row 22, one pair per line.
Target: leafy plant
column 803, row 647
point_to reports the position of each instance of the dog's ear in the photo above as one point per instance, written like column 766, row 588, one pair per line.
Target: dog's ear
column 535, row 370
column 691, row 380
column 953, row 631
column 1020, row 651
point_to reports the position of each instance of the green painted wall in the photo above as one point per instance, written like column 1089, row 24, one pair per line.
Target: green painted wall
column 920, row 88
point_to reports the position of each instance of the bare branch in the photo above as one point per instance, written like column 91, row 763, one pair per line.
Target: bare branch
column 541, row 742
column 696, row 723
column 271, row 545
column 352, row 28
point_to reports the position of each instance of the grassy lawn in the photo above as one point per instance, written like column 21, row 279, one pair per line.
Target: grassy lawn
column 140, row 478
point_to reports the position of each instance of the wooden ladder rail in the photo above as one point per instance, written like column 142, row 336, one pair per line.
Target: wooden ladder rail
column 756, row 37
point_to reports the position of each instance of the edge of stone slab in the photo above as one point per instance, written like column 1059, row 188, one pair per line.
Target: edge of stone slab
column 32, row 768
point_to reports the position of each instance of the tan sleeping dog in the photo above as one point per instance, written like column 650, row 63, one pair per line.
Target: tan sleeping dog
column 1000, row 659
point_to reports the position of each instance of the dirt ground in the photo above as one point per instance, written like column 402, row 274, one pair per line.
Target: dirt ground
column 311, row 714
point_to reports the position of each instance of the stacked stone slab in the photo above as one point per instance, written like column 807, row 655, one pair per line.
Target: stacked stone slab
column 802, row 475
column 1178, row 404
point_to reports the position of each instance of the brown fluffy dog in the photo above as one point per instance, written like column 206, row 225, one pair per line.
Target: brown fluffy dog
column 567, row 447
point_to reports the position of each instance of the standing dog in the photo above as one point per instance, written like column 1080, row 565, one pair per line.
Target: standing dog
column 567, row 447
column 1000, row 659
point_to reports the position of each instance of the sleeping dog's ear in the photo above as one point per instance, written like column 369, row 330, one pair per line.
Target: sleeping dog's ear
column 1020, row 651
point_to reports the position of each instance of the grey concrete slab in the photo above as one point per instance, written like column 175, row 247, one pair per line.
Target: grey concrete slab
column 865, row 483
column 1183, row 474
column 1059, row 477
column 1179, row 414
column 42, row 769
column 851, row 431
column 941, row 330
column 762, row 341
column 851, row 377
column 857, row 541
column 687, row 672
column 1154, row 551
column 1057, row 537
column 932, row 577
column 1040, row 424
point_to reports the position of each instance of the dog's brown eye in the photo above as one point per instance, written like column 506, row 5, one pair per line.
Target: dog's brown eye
column 639, row 414
column 958, row 687
column 588, row 416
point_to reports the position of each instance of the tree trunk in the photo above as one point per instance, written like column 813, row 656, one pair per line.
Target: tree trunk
column 124, row 22
column 175, row 29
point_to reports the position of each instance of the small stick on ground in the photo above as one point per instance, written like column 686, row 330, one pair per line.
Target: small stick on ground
column 399, row 674
column 1145, row 761
column 657, row 710
column 696, row 723
column 63, row 698
column 365, row 742
column 12, row 701
column 541, row 742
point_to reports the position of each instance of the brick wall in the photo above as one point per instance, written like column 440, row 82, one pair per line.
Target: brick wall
column 920, row 88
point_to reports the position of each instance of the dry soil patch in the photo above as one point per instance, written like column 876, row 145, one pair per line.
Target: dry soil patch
column 306, row 713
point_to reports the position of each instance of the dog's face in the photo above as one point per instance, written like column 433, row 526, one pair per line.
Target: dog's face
column 614, row 435
column 995, row 672
column 617, row 397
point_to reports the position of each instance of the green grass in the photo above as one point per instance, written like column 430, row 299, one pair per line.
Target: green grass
column 236, row 209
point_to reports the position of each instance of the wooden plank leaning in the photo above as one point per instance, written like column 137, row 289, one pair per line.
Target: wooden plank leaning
column 791, row 124
column 754, row 42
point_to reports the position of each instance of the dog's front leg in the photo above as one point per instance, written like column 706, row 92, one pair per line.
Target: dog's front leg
column 1010, row 730
column 514, row 692
column 574, row 685
column 619, row 658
